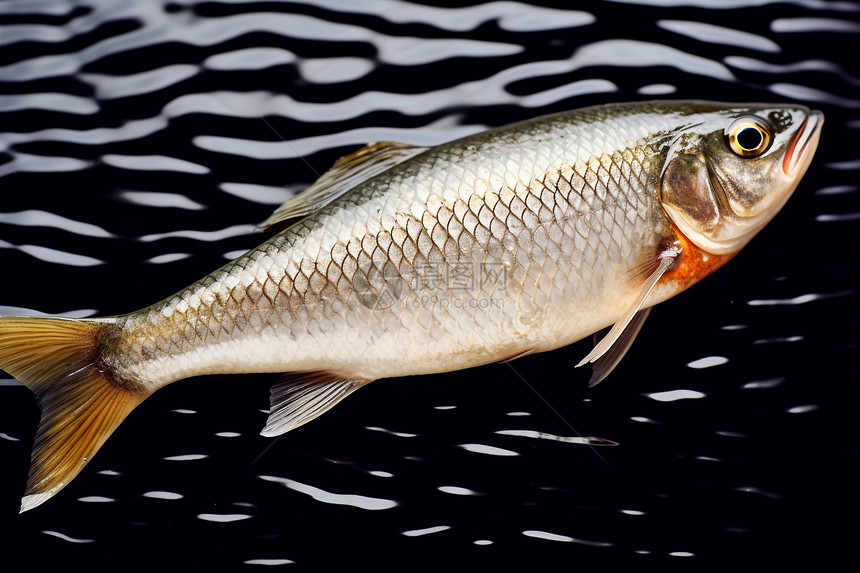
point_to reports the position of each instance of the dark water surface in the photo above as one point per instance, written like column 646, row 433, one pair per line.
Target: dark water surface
column 141, row 141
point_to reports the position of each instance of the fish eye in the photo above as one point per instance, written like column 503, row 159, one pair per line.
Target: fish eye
column 748, row 137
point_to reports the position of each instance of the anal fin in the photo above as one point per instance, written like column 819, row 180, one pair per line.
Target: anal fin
column 616, row 334
column 300, row 398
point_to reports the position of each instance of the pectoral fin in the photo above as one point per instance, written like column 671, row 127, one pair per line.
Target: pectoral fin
column 616, row 334
column 344, row 175
column 607, row 363
column 298, row 400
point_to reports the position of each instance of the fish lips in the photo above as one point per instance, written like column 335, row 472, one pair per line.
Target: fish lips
column 802, row 146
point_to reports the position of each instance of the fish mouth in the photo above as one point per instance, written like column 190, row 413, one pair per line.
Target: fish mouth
column 805, row 141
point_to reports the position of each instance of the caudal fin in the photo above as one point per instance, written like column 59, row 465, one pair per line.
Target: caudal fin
column 59, row 359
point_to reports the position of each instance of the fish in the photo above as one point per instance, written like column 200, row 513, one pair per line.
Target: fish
column 404, row 260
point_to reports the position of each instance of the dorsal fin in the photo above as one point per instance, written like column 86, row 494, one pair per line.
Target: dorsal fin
column 345, row 174
column 301, row 397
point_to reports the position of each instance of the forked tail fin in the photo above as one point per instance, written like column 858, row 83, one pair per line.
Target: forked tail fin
column 59, row 359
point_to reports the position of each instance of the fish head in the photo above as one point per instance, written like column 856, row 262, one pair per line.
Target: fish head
column 731, row 170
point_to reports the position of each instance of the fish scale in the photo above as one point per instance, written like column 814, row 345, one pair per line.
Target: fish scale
column 403, row 260
column 612, row 216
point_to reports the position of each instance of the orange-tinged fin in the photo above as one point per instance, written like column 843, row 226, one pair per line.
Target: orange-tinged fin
column 302, row 397
column 81, row 404
column 695, row 265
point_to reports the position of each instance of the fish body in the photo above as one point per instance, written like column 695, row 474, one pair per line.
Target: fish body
column 404, row 260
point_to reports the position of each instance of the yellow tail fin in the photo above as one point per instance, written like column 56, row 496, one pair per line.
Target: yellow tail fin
column 59, row 359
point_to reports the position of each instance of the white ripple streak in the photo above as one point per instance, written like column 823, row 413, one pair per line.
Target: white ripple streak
column 426, row 531
column 99, row 136
column 114, row 87
column 588, row 441
column 234, row 231
column 359, row 501
column 53, row 255
column 160, row 27
column 798, row 92
column 158, row 199
column 65, row 537
column 268, row 562
column 488, row 450
column 719, row 35
column 223, row 518
column 802, row 299
column 673, row 395
column 163, row 495
column 512, row 16
column 154, row 163
column 35, row 218
column 24, row 162
column 563, row 538
column 58, row 102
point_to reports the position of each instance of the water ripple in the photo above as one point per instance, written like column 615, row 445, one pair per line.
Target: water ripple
column 588, row 441
column 68, row 538
column 25, row 162
column 53, row 255
column 96, row 499
column 220, row 234
column 804, row 409
column 454, row 490
column 168, row 495
column 154, row 163
column 488, row 450
column 817, row 66
column 758, row 491
column 186, row 458
column 636, row 53
column 734, row 4
column 56, row 102
column 673, row 395
column 223, row 517
column 720, row 35
column 36, row 218
column 391, row 432
column 763, row 384
column 130, row 130
column 564, row 538
column 793, row 25
column 801, row 299
column 512, row 16
column 156, row 199
column 359, row 501
column 426, row 531
column 114, row 87
column 708, row 362
column 265, row 194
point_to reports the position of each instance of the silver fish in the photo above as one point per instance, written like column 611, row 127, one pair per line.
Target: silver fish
column 405, row 260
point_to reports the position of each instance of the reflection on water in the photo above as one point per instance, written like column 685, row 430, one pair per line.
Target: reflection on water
column 359, row 501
